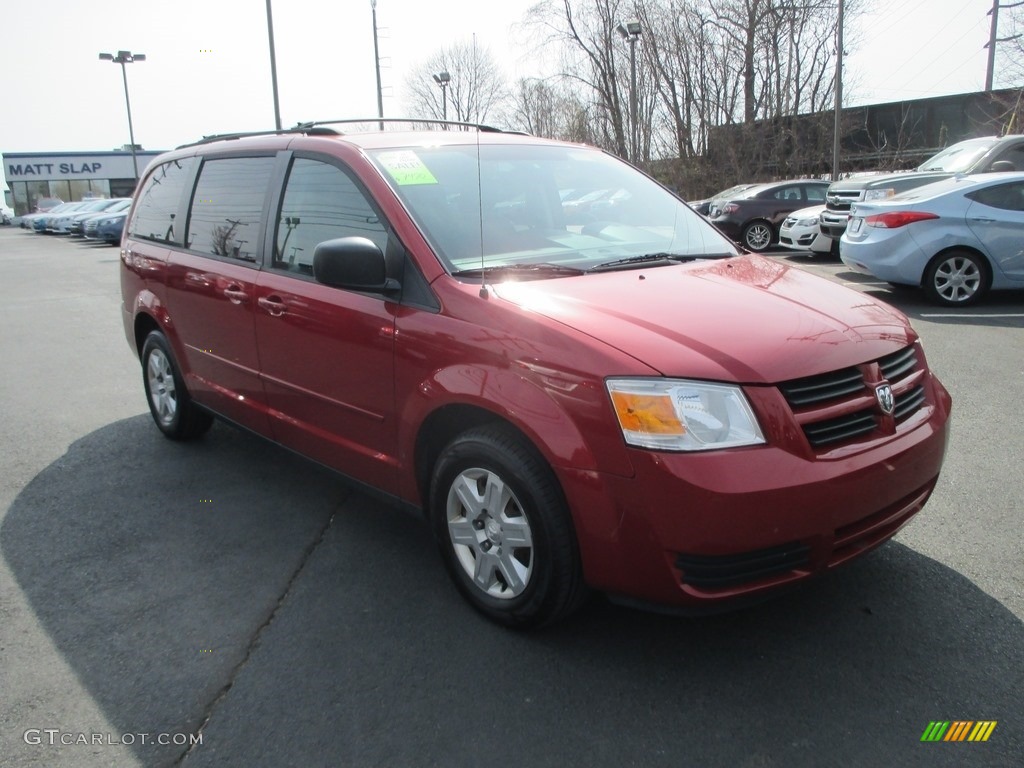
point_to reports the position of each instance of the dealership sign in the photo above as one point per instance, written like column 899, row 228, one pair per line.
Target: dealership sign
column 72, row 165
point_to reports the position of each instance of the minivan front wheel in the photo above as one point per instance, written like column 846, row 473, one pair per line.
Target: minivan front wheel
column 503, row 529
column 169, row 403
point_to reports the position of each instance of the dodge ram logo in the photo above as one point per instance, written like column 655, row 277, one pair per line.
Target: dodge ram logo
column 886, row 401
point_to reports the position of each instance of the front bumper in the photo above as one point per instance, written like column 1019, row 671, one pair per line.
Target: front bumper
column 833, row 223
column 703, row 531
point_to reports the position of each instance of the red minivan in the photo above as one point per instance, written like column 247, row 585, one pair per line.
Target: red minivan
column 614, row 398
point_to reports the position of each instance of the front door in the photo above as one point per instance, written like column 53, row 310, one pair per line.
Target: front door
column 327, row 354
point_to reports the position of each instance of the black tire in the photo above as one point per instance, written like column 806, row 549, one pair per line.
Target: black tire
column 517, row 586
column 169, row 403
column 758, row 235
column 956, row 278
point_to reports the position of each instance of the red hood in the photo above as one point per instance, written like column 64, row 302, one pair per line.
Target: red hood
column 745, row 319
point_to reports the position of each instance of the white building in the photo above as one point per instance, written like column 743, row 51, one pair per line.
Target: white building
column 70, row 176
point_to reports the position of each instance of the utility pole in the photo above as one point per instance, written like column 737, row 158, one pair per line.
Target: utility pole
column 839, row 94
column 992, row 40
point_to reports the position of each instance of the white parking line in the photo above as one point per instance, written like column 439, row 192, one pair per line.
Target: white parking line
column 965, row 314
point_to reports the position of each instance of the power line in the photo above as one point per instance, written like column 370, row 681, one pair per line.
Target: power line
column 944, row 51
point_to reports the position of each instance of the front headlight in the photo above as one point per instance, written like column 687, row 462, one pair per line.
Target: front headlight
column 810, row 222
column 878, row 194
column 681, row 415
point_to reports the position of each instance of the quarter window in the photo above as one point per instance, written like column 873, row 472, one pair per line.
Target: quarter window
column 321, row 203
column 158, row 203
column 227, row 207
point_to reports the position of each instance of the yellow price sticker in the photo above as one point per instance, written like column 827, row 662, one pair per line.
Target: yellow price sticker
column 406, row 168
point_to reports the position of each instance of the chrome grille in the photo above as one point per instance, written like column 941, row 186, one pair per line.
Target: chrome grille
column 841, row 200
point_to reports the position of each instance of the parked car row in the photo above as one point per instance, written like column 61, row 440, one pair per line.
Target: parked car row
column 953, row 227
column 93, row 219
column 753, row 214
column 955, row 239
column 984, row 155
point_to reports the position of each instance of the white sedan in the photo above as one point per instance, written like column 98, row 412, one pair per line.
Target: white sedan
column 955, row 239
column 800, row 231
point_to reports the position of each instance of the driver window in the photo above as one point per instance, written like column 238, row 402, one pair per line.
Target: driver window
column 320, row 203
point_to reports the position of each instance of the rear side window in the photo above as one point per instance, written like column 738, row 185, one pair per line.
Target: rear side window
column 1009, row 197
column 815, row 192
column 321, row 203
column 785, row 193
column 227, row 207
column 158, row 203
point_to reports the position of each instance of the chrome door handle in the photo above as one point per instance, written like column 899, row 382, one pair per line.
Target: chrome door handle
column 196, row 279
column 273, row 305
column 983, row 219
column 235, row 294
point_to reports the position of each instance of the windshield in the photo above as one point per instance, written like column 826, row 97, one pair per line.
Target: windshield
column 960, row 157
column 503, row 206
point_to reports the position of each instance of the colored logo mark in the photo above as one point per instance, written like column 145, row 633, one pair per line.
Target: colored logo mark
column 959, row 730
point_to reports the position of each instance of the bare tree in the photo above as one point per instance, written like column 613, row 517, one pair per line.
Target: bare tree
column 546, row 108
column 596, row 60
column 1009, row 69
column 477, row 87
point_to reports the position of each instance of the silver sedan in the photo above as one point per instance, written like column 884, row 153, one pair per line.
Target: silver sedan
column 956, row 239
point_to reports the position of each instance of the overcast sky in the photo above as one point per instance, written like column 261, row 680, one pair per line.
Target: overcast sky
column 208, row 71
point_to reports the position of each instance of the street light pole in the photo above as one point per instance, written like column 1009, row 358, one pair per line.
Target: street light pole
column 273, row 67
column 122, row 58
column 443, row 79
column 376, row 65
column 631, row 33
column 839, row 94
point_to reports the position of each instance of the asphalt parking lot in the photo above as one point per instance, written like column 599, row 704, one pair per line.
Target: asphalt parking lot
column 226, row 603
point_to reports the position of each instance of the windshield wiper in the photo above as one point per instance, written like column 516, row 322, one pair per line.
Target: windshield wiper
column 652, row 260
column 537, row 270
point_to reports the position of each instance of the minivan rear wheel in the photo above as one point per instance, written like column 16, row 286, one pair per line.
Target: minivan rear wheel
column 169, row 403
column 503, row 528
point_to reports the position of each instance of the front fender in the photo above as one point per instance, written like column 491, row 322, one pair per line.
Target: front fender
column 552, row 408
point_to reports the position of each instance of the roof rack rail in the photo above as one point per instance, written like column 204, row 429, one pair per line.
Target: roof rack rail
column 320, row 128
column 381, row 120
column 309, row 130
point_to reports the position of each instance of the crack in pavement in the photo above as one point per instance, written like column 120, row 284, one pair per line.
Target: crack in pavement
column 196, row 736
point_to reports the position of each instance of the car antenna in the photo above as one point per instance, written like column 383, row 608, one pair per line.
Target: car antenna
column 484, row 293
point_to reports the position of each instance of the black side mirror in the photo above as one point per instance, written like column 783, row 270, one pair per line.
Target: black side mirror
column 352, row 262
column 1001, row 166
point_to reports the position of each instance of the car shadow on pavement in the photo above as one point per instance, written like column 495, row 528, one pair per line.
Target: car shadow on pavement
column 232, row 582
